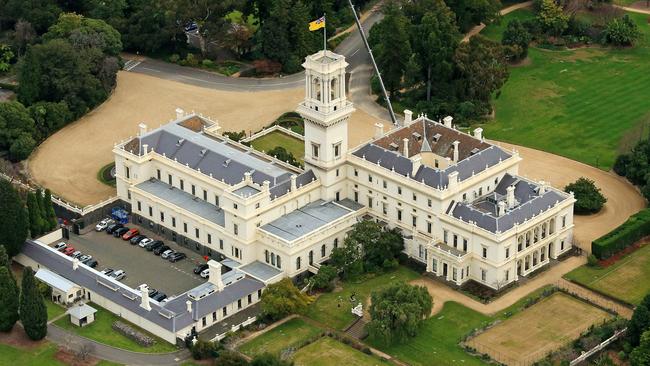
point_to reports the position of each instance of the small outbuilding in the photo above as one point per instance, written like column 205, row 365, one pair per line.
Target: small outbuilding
column 63, row 291
column 82, row 314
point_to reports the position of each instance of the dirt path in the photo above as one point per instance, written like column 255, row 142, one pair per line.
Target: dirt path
column 638, row 7
column 477, row 29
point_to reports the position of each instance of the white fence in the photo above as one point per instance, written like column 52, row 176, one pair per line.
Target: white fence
column 598, row 348
column 234, row 328
column 266, row 131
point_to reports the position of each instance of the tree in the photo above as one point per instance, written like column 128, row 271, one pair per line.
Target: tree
column 8, row 300
column 22, row 147
column 640, row 355
column 552, row 17
column 35, row 220
column 13, row 219
column 15, row 121
column 267, row 359
column 4, row 258
column 588, row 197
column 50, row 215
column 33, row 313
column 40, row 13
column 85, row 32
column 283, row 298
column 474, row 12
column 6, row 55
column 640, row 322
column 516, row 34
column 230, row 358
column 281, row 153
column 24, row 35
column 49, row 117
column 390, row 42
column 323, row 279
column 397, row 312
column 621, row 31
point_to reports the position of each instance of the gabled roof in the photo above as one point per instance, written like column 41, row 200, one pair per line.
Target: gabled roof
column 54, row 280
column 81, row 311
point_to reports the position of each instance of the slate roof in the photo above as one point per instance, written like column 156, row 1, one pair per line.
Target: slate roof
column 175, row 313
column 307, row 219
column 530, row 203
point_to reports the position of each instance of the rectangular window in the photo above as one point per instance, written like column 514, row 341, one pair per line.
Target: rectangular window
column 209, row 238
column 234, row 205
column 173, row 222
column 399, row 190
column 507, row 275
column 385, row 184
column 356, row 196
column 445, row 234
column 414, row 220
column 507, row 252
column 415, row 197
column 196, row 233
column 369, row 178
column 484, row 252
column 259, row 293
column 205, row 195
column 221, row 244
column 139, row 206
column 337, row 172
column 455, row 241
column 564, row 221
column 162, row 216
column 169, row 179
column 158, row 174
column 193, row 190
column 250, row 299
column 182, row 183
column 337, row 150
column 128, row 171
column 224, row 311
column 204, row 321
column 315, row 150
column 465, row 244
column 370, row 202
column 239, row 304
column 235, row 229
column 454, row 273
column 399, row 215
column 384, row 208
column 184, row 227
column 483, row 275
column 429, row 227
column 356, row 173
column 214, row 316
column 216, row 200
column 150, row 211
column 429, row 202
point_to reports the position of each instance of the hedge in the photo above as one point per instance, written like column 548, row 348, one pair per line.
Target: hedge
column 628, row 233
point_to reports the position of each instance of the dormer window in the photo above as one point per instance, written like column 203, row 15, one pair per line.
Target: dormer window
column 394, row 146
column 436, row 137
column 417, row 136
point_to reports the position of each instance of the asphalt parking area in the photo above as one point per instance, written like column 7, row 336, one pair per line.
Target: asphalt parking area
column 140, row 265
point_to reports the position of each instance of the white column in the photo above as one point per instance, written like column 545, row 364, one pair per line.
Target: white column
column 429, row 260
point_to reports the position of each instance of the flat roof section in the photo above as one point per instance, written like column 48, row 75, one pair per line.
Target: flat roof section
column 308, row 219
column 261, row 271
column 246, row 191
column 183, row 199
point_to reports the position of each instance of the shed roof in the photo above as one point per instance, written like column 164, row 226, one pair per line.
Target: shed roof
column 81, row 311
column 54, row 280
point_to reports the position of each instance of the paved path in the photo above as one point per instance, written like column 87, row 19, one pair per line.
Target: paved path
column 105, row 352
column 633, row 10
column 477, row 29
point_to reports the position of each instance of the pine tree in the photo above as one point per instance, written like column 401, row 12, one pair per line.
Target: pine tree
column 34, row 215
column 14, row 225
column 33, row 313
column 45, row 226
column 4, row 258
column 8, row 299
column 51, row 215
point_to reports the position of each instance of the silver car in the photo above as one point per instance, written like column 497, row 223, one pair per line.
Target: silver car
column 144, row 242
column 102, row 225
column 85, row 258
column 167, row 253
column 60, row 246
column 118, row 275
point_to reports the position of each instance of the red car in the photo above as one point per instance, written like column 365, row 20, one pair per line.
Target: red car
column 131, row 233
column 69, row 250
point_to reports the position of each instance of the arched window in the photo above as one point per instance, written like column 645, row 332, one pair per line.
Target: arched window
column 279, row 261
column 311, row 257
column 336, row 242
column 273, row 259
column 315, row 89
column 334, row 89
column 266, row 256
column 322, row 251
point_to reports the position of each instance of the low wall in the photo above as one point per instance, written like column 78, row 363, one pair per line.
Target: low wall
column 55, row 235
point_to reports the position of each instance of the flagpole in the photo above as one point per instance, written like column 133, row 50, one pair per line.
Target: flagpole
column 324, row 34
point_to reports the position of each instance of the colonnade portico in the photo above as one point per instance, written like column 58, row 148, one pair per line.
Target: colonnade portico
column 448, row 262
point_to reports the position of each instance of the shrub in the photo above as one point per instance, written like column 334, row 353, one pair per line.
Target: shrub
column 517, row 37
column 628, row 233
column 174, row 58
column 592, row 261
column 621, row 32
column 589, row 200
column 203, row 350
column 207, row 63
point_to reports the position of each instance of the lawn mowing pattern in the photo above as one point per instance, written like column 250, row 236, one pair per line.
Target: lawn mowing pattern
column 277, row 138
column 100, row 330
column 326, row 308
column 42, row 355
column 579, row 104
column 627, row 280
column 533, row 333
column 495, row 31
column 327, row 352
column 289, row 334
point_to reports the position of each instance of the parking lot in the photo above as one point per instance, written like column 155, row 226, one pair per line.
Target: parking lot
column 141, row 266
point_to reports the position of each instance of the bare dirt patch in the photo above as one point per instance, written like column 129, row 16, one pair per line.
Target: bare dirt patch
column 543, row 327
column 18, row 339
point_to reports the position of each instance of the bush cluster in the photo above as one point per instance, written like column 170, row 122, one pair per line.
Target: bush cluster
column 628, row 233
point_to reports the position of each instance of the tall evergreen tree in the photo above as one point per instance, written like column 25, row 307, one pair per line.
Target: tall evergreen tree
column 42, row 205
column 640, row 322
column 35, row 226
column 49, row 208
column 8, row 299
column 13, row 219
column 33, row 313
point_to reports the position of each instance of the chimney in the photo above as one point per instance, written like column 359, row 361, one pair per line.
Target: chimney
column 510, row 197
column 478, row 133
column 408, row 117
column 180, row 113
column 144, row 297
column 501, row 209
column 453, row 180
column 145, row 149
column 542, row 187
column 266, row 185
column 215, row 274
column 448, row 121
column 379, row 130
column 293, row 182
column 406, row 147
column 143, row 129
column 75, row 264
column 456, row 143
column 247, row 177
column 188, row 304
column 417, row 163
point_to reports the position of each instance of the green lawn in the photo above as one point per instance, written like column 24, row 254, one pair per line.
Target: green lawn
column 40, row 356
column 494, row 31
column 581, row 104
column 627, row 280
column 53, row 310
column 289, row 334
column 100, row 330
column 328, row 352
column 276, row 138
column 334, row 308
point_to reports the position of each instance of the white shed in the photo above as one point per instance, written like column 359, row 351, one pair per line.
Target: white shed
column 82, row 314
column 63, row 291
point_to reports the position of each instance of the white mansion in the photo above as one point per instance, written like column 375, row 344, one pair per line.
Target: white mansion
column 457, row 199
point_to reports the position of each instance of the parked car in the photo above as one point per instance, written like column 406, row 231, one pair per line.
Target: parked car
column 85, row 258
column 136, row 239
column 118, row 275
column 107, row 271
column 121, row 231
column 76, row 254
column 112, row 227
column 92, row 263
column 159, row 297
column 153, row 245
column 205, row 273
column 177, row 257
column 60, row 246
column 200, row 268
column 144, row 242
column 130, row 234
column 167, row 253
column 160, row 250
column 69, row 250
column 103, row 225
column 152, row 292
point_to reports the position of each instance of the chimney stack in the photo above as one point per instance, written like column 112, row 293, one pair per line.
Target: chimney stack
column 478, row 133
column 379, row 130
column 143, row 129
column 542, row 187
column 417, row 163
column 180, row 113
column 215, row 274
column 188, row 304
column 266, row 185
column 501, row 209
column 247, row 177
column 145, row 149
column 144, row 297
column 75, row 264
column 453, row 180
column 510, row 197
column 408, row 117
column 293, row 182
column 406, row 147
column 448, row 121
column 456, row 143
